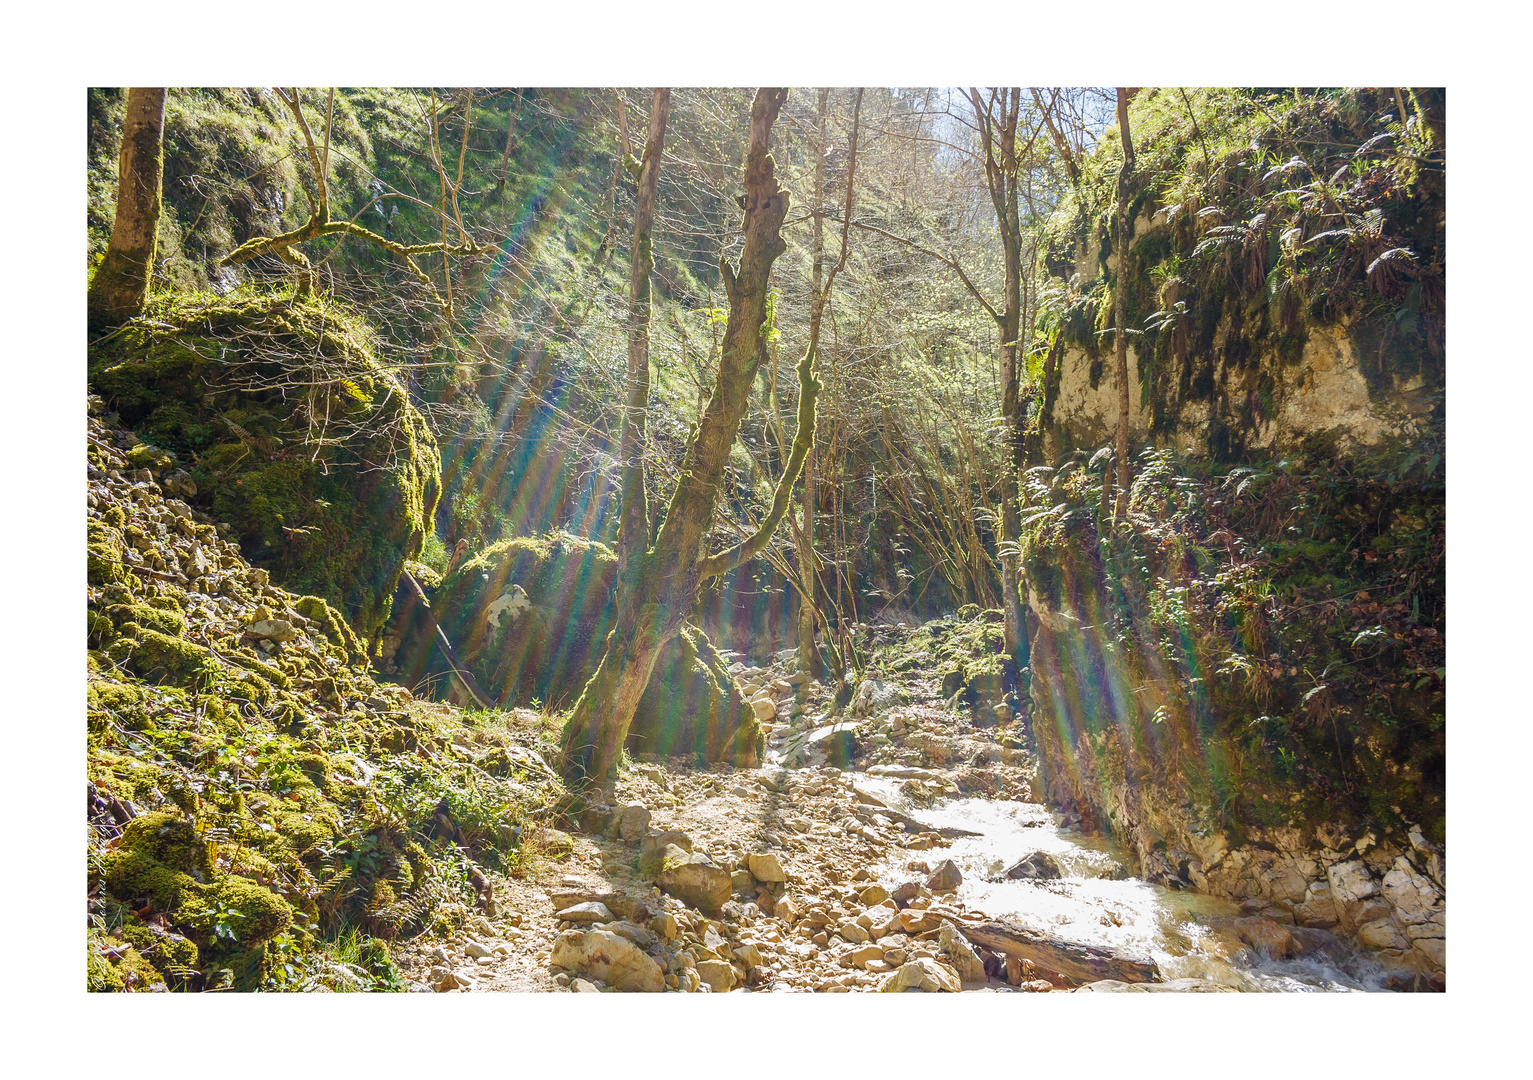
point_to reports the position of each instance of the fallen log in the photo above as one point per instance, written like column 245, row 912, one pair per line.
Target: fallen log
column 1080, row 963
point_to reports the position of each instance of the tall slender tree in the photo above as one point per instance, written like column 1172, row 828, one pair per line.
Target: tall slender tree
column 1120, row 301
column 810, row 659
column 121, row 283
column 633, row 518
column 996, row 116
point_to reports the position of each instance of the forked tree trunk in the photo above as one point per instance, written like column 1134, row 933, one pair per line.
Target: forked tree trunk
column 1120, row 305
column 118, row 290
column 659, row 592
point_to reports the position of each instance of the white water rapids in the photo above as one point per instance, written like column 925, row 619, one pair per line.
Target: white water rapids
column 1185, row 933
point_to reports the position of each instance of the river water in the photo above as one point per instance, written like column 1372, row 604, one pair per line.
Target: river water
column 1187, row 934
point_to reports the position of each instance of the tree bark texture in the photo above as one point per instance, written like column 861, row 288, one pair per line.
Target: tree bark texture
column 633, row 518
column 118, row 290
column 659, row 592
column 810, row 660
column 1120, row 304
column 997, row 121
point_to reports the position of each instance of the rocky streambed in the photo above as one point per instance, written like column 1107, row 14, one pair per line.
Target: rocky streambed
column 871, row 873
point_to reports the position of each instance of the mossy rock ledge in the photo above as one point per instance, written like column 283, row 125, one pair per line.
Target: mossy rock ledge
column 529, row 617
column 274, row 415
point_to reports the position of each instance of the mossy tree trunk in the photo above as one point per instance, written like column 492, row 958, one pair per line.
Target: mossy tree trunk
column 633, row 517
column 1120, row 303
column 118, row 290
column 659, row 589
column 997, row 118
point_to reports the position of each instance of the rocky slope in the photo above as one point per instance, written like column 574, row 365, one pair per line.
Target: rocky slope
column 262, row 813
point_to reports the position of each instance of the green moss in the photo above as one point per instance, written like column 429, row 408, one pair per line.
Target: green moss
column 159, row 657
column 103, row 554
column 252, row 913
column 271, row 678
column 171, row 623
column 149, row 456
column 136, row 973
column 302, row 834
column 101, row 976
column 133, row 876
column 120, row 702
column 549, row 650
column 336, row 520
column 169, row 839
column 170, row 954
column 317, row 768
column 332, row 626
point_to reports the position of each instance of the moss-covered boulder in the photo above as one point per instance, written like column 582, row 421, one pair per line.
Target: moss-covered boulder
column 159, row 859
column 529, row 617
column 160, row 657
column 291, row 431
column 235, row 910
column 103, row 554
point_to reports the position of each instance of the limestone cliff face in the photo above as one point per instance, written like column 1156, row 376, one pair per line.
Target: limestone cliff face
column 1229, row 389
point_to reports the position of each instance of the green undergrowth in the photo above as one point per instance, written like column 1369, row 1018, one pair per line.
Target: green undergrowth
column 965, row 650
column 235, row 167
column 274, row 844
column 290, row 430
column 1269, row 642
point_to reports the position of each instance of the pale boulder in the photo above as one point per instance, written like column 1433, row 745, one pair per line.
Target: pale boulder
column 1382, row 934
column 853, row 932
column 696, row 880
column 608, row 958
column 766, row 867
column 717, row 974
column 1413, row 896
column 590, row 912
column 964, row 959
column 923, row 974
column 1351, row 888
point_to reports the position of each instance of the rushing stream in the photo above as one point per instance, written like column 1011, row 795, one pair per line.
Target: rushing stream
column 1185, row 933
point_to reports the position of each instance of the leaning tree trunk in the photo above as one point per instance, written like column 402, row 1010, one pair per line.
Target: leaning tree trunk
column 118, row 290
column 1120, row 305
column 660, row 590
